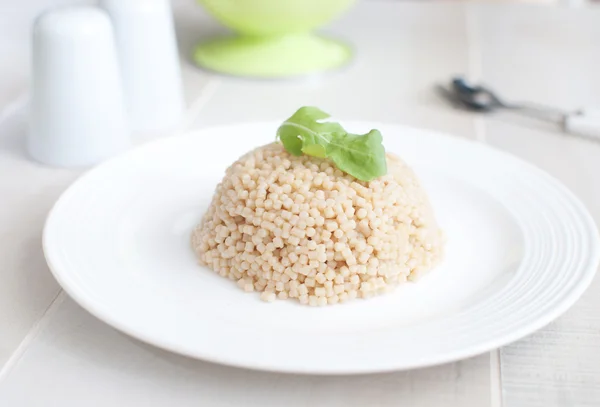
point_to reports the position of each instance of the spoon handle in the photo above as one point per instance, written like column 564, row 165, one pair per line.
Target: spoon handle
column 548, row 114
column 584, row 125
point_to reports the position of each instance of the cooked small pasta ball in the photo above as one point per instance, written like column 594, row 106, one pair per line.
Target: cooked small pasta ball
column 298, row 228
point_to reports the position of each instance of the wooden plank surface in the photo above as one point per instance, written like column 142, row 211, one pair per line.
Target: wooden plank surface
column 550, row 56
column 544, row 54
column 77, row 360
column 390, row 81
column 27, row 189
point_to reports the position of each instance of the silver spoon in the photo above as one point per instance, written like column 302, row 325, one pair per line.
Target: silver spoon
column 478, row 98
column 481, row 99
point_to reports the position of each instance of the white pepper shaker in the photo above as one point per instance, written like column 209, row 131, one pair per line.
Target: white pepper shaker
column 77, row 106
column 149, row 62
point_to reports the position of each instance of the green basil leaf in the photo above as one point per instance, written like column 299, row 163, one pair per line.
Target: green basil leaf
column 362, row 156
column 304, row 129
column 315, row 150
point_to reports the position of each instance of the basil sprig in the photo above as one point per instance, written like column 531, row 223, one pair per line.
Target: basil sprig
column 360, row 155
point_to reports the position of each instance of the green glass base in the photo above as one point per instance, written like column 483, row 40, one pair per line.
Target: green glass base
column 272, row 57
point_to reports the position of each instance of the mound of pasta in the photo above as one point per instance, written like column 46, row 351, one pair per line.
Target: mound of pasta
column 296, row 227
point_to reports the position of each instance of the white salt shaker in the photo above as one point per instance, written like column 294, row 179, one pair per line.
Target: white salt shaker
column 149, row 62
column 78, row 113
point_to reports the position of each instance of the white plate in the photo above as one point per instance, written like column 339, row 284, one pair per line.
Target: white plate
column 521, row 250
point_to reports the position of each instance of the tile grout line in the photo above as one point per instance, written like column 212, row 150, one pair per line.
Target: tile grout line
column 10, row 110
column 495, row 379
column 475, row 70
column 13, row 107
column 474, row 61
column 32, row 334
column 474, row 50
column 199, row 103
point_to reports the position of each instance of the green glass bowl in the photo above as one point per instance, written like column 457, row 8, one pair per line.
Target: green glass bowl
column 273, row 38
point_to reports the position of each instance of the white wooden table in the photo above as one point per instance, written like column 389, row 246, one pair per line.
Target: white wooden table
column 54, row 353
